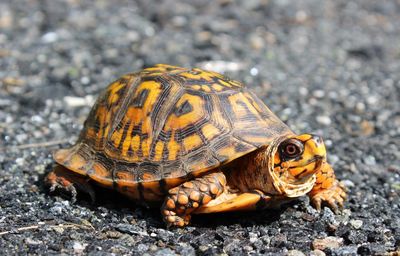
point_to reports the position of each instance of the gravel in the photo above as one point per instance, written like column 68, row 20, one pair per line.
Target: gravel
column 328, row 67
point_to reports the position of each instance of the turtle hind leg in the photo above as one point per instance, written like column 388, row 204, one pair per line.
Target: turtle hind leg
column 67, row 182
column 181, row 201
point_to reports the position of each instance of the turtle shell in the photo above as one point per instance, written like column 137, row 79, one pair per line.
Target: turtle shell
column 166, row 124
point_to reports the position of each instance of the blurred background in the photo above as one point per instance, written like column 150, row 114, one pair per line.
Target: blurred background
column 329, row 67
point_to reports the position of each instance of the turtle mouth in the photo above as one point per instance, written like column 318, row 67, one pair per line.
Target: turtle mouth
column 317, row 161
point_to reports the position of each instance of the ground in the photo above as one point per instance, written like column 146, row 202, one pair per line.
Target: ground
column 328, row 67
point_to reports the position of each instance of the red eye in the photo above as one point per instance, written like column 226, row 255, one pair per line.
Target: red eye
column 291, row 148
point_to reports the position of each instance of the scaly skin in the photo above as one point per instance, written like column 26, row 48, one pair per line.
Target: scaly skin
column 184, row 199
column 327, row 190
column 68, row 182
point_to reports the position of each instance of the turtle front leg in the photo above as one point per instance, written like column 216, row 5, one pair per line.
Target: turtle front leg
column 68, row 182
column 189, row 196
column 327, row 190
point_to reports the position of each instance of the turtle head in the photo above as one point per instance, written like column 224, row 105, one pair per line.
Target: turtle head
column 298, row 158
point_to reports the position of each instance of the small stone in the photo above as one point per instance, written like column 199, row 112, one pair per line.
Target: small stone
column 78, row 247
column 58, row 229
column 254, row 71
column 324, row 120
column 20, row 161
column 295, row 253
column 370, row 160
column 248, row 248
column 253, row 237
column 319, row 93
column 348, row 183
column 142, row 248
column 328, row 242
column 30, row 241
column 50, row 37
column 56, row 210
column 203, row 248
column 317, row 253
column 113, row 234
column 357, row 224
column 164, row 252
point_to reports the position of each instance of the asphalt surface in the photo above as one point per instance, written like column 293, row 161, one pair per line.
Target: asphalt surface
column 328, row 67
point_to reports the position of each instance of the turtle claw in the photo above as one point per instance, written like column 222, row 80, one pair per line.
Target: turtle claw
column 177, row 221
column 333, row 198
column 59, row 183
column 68, row 183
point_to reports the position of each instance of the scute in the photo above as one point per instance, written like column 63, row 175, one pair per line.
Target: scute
column 166, row 123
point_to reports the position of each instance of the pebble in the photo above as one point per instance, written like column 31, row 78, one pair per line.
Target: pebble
column 369, row 160
column 348, row 183
column 78, row 247
column 295, row 253
column 328, row 242
column 317, row 252
column 357, row 224
column 20, row 161
column 165, row 252
column 31, row 241
column 50, row 37
column 324, row 120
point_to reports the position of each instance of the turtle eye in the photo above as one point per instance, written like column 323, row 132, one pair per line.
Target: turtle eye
column 291, row 148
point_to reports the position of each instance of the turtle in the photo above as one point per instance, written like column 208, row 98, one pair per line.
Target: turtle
column 193, row 142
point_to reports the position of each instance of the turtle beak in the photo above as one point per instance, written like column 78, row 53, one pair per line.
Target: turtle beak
column 312, row 166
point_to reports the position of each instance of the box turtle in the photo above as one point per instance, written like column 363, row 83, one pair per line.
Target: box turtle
column 193, row 141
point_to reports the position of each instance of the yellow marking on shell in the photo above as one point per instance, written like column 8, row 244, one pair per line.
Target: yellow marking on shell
column 102, row 116
column 125, row 178
column 146, row 176
column 255, row 104
column 135, row 143
column 217, row 114
column 113, row 98
column 236, row 83
column 210, row 131
column 227, row 151
column 77, row 162
column 177, row 122
column 116, row 137
column 224, row 83
column 126, row 144
column 205, row 88
column 241, row 111
column 196, row 87
column 101, row 175
column 191, row 142
column 158, row 150
column 217, row 87
column 198, row 74
column 173, row 148
column 61, row 155
column 146, row 147
column 115, row 87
